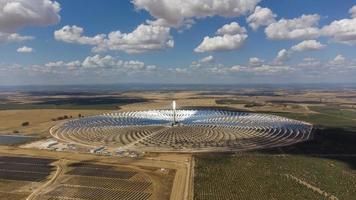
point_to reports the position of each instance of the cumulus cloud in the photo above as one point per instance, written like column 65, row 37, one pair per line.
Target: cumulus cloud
column 303, row 27
column 233, row 37
column 25, row 49
column 207, row 59
column 352, row 11
column 178, row 13
column 339, row 59
column 342, row 31
column 271, row 69
column 308, row 45
column 282, row 56
column 310, row 63
column 264, row 69
column 13, row 37
column 100, row 61
column 97, row 63
column 337, row 65
column 203, row 62
column 55, row 64
column 144, row 38
column 261, row 17
column 16, row 14
column 254, row 61
column 231, row 29
column 306, row 27
column 221, row 43
column 74, row 34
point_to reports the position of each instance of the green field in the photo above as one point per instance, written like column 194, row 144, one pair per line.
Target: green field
column 260, row 176
column 326, row 116
column 86, row 103
column 327, row 162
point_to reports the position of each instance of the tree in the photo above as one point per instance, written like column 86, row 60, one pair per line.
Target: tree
column 25, row 123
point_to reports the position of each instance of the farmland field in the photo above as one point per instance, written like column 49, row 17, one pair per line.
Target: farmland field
column 258, row 176
column 322, row 168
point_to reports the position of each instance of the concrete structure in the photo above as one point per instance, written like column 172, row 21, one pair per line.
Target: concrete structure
column 97, row 150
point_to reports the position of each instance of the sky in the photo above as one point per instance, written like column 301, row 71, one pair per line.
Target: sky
column 48, row 42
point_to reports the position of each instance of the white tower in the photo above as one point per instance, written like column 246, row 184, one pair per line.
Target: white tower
column 174, row 111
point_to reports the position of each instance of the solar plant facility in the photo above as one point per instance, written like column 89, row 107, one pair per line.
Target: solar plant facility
column 183, row 131
column 97, row 182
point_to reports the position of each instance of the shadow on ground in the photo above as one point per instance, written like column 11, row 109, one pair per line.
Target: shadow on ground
column 331, row 143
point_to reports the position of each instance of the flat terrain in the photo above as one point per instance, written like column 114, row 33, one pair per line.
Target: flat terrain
column 123, row 177
column 323, row 168
column 40, row 120
column 19, row 175
column 260, row 176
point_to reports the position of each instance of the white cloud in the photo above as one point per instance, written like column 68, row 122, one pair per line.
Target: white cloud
column 264, row 69
column 261, row 17
column 310, row 63
column 352, row 11
column 337, row 65
column 254, row 61
column 231, row 29
column 13, row 37
column 98, row 63
column 16, row 14
column 221, row 43
column 207, row 59
column 25, row 49
column 271, row 69
column 303, row 27
column 282, row 56
column 308, row 45
column 73, row 34
column 233, row 38
column 342, row 31
column 73, row 64
column 144, row 38
column 306, row 27
column 178, row 13
column 55, row 64
column 236, row 68
column 339, row 59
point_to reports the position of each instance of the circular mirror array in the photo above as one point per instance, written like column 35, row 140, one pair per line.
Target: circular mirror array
column 183, row 131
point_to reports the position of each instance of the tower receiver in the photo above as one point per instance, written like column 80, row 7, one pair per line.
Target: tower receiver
column 174, row 112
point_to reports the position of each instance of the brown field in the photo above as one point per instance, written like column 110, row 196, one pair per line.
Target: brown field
column 40, row 120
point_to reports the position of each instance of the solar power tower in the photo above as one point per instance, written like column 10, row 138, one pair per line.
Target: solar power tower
column 174, row 112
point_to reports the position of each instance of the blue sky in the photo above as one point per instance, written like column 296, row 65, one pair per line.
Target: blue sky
column 159, row 42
